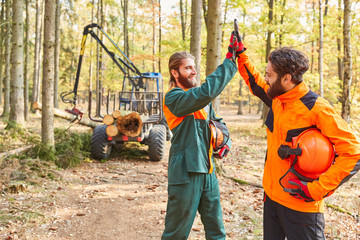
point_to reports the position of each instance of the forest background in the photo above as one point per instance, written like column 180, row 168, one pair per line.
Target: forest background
column 40, row 43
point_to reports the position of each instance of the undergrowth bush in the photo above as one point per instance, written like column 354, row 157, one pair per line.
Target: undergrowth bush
column 69, row 150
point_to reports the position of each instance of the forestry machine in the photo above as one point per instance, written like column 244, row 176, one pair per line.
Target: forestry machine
column 133, row 113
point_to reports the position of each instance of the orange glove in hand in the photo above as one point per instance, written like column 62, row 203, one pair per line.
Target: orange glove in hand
column 302, row 192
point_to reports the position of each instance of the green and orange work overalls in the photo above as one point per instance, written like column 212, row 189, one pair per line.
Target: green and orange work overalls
column 192, row 183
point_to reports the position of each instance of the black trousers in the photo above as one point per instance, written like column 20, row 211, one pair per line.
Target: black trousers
column 281, row 222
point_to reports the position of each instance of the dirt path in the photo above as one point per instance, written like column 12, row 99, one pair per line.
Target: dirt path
column 116, row 200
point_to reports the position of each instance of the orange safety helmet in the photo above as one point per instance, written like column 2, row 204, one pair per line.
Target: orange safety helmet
column 310, row 156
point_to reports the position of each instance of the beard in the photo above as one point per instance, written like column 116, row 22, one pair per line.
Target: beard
column 276, row 89
column 187, row 82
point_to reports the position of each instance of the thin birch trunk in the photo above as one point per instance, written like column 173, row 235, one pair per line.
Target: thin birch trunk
column 195, row 38
column 57, row 53
column 36, row 79
column 47, row 120
column 17, row 64
column 27, row 61
column 6, row 111
column 321, row 40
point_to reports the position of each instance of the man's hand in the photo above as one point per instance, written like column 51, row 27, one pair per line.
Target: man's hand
column 302, row 192
column 223, row 152
column 235, row 44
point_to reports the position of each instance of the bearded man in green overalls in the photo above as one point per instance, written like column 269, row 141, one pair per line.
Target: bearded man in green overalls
column 192, row 183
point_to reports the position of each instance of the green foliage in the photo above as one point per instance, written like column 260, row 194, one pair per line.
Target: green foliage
column 44, row 152
column 71, row 147
column 69, row 150
column 12, row 125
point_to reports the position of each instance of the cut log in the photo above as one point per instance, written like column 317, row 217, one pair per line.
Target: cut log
column 112, row 131
column 68, row 116
column 116, row 114
column 108, row 120
column 130, row 125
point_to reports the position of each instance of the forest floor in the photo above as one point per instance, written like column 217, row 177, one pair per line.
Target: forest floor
column 125, row 198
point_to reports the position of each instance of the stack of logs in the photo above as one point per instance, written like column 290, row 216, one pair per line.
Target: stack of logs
column 127, row 123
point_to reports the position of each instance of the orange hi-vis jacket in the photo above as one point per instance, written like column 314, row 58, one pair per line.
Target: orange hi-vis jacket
column 290, row 114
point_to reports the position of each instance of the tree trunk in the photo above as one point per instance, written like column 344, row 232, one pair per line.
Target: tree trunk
column 282, row 22
column 345, row 113
column 205, row 12
column 99, row 61
column 195, row 38
column 7, row 60
column 312, row 40
column 36, row 79
column 57, row 53
column 154, row 35
column 224, row 22
column 159, row 62
column 2, row 22
column 17, row 64
column 47, row 120
column 27, row 62
column 182, row 19
column 91, row 51
column 270, row 30
column 321, row 40
column 338, row 41
column 213, row 56
column 265, row 109
column 326, row 7
column 125, row 4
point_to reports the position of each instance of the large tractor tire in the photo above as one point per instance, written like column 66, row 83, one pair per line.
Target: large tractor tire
column 100, row 146
column 157, row 142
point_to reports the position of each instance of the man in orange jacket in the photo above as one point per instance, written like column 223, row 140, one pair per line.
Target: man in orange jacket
column 296, row 212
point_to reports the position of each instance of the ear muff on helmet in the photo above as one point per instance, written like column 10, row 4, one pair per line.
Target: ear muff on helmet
column 219, row 136
column 310, row 156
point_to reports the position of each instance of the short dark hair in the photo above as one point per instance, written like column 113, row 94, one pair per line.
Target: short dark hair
column 287, row 60
column 175, row 62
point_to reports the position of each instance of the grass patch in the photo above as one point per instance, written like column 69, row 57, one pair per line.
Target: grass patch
column 22, row 216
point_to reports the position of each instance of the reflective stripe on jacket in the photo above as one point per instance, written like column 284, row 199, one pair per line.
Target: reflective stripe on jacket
column 188, row 113
column 290, row 114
